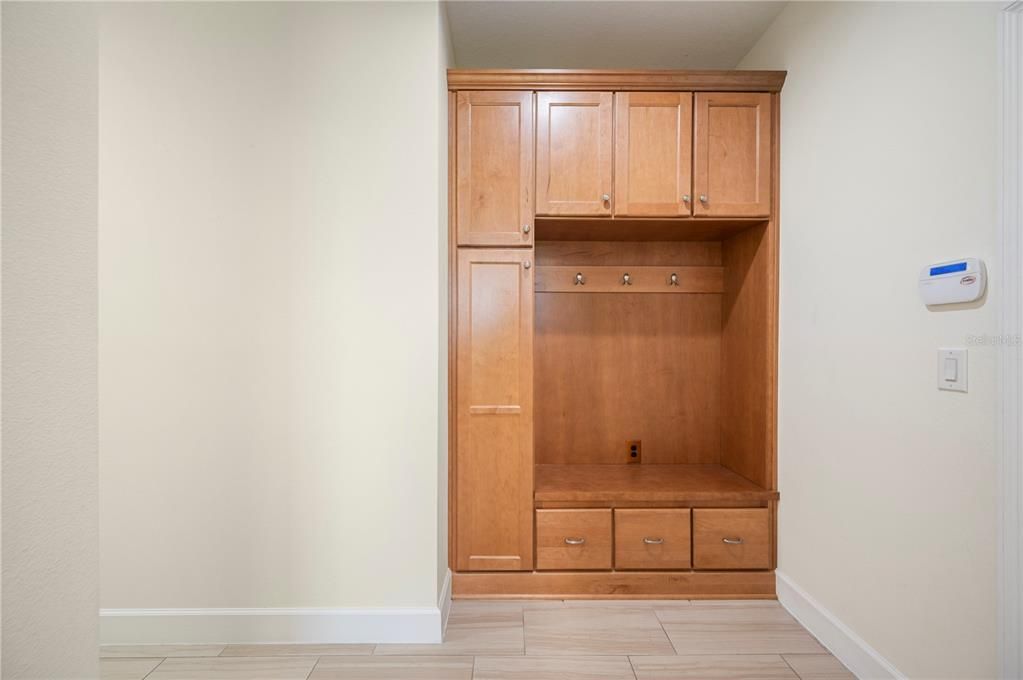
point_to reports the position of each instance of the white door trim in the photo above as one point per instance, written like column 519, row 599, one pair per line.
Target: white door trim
column 1010, row 439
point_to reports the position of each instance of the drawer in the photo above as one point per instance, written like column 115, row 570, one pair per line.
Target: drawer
column 573, row 539
column 732, row 538
column 652, row 539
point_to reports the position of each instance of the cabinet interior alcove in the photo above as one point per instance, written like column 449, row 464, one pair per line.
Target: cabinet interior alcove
column 613, row 333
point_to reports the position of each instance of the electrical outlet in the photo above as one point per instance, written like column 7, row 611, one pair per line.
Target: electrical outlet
column 635, row 451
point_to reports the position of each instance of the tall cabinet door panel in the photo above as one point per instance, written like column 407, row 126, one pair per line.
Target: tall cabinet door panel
column 732, row 160
column 573, row 153
column 494, row 395
column 653, row 153
column 494, row 168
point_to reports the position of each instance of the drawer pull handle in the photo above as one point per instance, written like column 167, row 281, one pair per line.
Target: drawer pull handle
column 732, row 541
column 580, row 280
column 653, row 541
column 575, row 541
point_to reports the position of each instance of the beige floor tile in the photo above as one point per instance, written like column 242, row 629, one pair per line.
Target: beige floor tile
column 818, row 667
column 553, row 668
column 475, row 606
column 739, row 641
column 297, row 650
column 752, row 667
column 736, row 630
column 581, row 631
column 237, row 668
column 393, row 668
column 126, row 669
column 737, row 603
column 157, row 651
column 479, row 632
column 715, row 615
column 633, row 604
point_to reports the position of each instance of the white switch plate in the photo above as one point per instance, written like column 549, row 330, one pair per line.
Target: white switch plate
column 952, row 366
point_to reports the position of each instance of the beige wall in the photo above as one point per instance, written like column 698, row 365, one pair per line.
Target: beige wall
column 270, row 280
column 888, row 163
column 50, row 547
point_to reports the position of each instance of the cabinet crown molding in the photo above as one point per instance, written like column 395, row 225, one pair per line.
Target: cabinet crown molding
column 615, row 80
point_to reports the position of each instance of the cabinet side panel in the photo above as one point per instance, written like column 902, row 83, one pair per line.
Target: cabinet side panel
column 747, row 355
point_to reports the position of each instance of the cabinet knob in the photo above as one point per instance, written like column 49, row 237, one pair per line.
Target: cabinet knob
column 626, row 279
column 703, row 198
column 673, row 281
column 527, row 264
column 575, row 541
column 605, row 197
column 525, row 228
column 580, row 280
column 685, row 198
column 732, row 541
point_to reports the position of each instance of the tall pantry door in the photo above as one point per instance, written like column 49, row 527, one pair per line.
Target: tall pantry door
column 494, row 419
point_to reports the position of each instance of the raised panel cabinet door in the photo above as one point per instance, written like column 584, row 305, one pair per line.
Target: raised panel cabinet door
column 732, row 156
column 494, row 168
column 494, row 419
column 573, row 153
column 653, row 153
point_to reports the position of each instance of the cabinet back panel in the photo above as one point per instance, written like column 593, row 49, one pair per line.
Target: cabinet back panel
column 614, row 367
column 635, row 253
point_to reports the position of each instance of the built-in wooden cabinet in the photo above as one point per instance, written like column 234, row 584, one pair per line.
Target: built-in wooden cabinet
column 653, row 154
column 494, row 168
column 648, row 538
column 732, row 159
column 613, row 330
column 494, row 416
column 573, row 153
column 573, row 539
column 731, row 538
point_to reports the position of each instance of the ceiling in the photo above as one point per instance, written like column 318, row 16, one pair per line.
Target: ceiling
column 616, row 34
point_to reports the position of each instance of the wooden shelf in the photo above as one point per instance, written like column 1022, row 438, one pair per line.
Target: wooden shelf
column 641, row 229
column 645, row 483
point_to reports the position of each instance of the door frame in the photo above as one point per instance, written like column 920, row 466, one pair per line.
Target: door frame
column 1010, row 433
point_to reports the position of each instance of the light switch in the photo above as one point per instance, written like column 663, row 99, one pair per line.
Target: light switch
column 952, row 369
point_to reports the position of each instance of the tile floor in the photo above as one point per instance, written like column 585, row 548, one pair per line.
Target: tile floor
column 527, row 640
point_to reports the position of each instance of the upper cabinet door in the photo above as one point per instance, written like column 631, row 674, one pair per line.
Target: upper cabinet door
column 494, row 168
column 653, row 153
column 494, row 418
column 573, row 153
column 732, row 162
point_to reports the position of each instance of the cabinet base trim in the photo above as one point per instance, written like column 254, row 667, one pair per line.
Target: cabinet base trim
column 695, row 585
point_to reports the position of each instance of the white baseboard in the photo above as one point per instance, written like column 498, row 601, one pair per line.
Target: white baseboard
column 848, row 647
column 254, row 626
column 444, row 603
